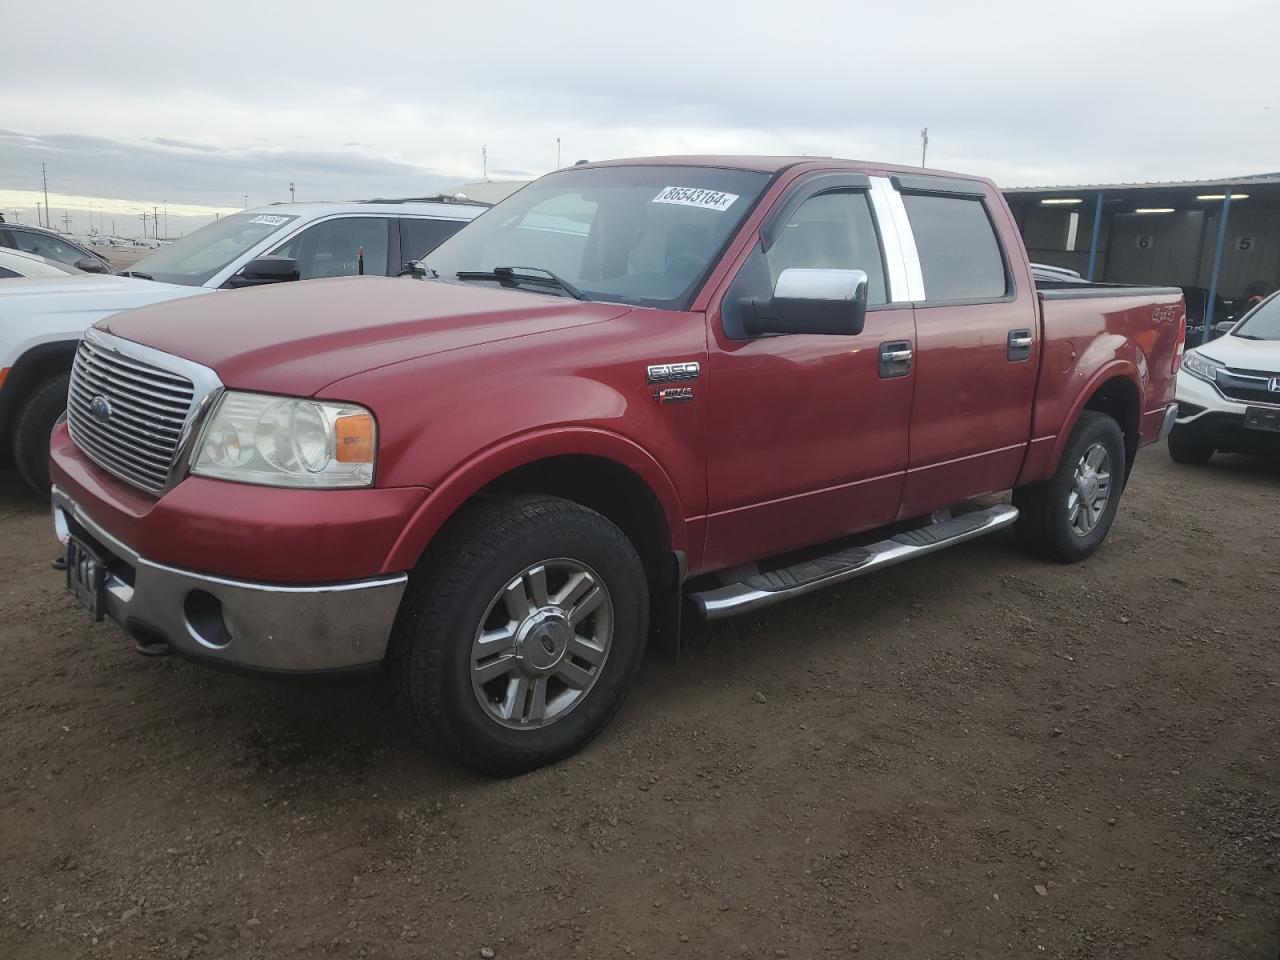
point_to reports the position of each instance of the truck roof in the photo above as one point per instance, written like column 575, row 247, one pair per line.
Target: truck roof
column 772, row 165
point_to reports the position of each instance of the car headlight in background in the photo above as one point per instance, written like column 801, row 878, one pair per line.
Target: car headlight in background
column 1198, row 365
column 286, row 442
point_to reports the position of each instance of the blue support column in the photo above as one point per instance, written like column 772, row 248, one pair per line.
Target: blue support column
column 1097, row 228
column 1217, row 265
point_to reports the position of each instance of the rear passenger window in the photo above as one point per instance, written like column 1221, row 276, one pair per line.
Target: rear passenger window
column 419, row 236
column 959, row 255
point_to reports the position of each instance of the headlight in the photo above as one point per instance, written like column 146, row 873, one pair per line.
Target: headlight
column 1198, row 365
column 283, row 442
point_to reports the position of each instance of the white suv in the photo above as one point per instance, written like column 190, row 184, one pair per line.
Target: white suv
column 41, row 320
column 1229, row 391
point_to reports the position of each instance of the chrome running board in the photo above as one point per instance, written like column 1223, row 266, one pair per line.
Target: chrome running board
column 762, row 589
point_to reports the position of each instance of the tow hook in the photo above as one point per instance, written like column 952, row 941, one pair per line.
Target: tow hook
column 153, row 648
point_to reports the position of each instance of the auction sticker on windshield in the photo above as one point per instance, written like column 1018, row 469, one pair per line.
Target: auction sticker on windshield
column 697, row 197
column 270, row 220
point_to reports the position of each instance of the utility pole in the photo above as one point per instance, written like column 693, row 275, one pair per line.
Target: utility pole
column 166, row 218
column 155, row 222
column 484, row 164
column 291, row 196
column 144, row 215
column 66, row 221
column 45, row 177
column 924, row 144
column 246, row 201
column 557, row 153
column 113, row 226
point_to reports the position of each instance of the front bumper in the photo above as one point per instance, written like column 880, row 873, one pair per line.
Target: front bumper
column 274, row 628
column 1210, row 418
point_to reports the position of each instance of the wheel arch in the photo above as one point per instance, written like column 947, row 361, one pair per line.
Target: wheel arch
column 35, row 366
column 1115, row 390
column 601, row 470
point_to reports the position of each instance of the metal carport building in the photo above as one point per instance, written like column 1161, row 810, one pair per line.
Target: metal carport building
column 1220, row 236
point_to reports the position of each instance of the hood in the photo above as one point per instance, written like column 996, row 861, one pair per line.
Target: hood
column 1242, row 354
column 82, row 299
column 295, row 338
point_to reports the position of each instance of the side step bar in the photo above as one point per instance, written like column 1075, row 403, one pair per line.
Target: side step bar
column 763, row 589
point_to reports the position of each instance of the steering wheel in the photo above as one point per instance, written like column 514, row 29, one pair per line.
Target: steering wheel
column 684, row 264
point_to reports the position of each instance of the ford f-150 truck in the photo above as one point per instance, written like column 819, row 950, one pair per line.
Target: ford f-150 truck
column 632, row 387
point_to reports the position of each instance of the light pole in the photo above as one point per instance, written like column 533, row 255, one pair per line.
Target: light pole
column 291, row 197
column 246, row 201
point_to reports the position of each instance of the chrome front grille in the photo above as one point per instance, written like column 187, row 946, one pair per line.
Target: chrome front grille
column 1247, row 386
column 130, row 415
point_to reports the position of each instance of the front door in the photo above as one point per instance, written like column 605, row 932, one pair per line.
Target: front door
column 807, row 437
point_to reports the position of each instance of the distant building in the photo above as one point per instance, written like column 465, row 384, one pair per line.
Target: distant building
column 1159, row 233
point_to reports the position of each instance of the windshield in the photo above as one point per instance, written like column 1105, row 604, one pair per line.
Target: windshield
column 1263, row 322
column 195, row 258
column 645, row 235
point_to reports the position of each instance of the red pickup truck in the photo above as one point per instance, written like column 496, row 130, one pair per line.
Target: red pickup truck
column 708, row 382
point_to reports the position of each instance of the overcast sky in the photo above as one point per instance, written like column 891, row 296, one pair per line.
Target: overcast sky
column 137, row 103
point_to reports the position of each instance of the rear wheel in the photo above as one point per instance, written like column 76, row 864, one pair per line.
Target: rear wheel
column 1184, row 448
column 31, row 430
column 1067, row 517
column 520, row 633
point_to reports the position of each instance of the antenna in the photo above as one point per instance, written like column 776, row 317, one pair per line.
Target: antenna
column 924, row 144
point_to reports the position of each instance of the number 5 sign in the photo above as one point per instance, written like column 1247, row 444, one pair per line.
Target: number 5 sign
column 1245, row 244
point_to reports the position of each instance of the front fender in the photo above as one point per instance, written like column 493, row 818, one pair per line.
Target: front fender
column 479, row 471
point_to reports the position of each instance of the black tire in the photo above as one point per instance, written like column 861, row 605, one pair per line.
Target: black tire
column 1044, row 525
column 1184, row 448
column 478, row 553
column 31, row 430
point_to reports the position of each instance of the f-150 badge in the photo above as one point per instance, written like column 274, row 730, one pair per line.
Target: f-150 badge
column 673, row 372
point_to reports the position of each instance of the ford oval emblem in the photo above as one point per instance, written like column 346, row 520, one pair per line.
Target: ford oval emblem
column 100, row 407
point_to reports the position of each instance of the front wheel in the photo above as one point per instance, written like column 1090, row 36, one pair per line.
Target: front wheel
column 520, row 634
column 1183, row 448
column 31, row 429
column 1067, row 517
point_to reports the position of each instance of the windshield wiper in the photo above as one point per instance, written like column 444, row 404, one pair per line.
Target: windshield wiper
column 137, row 273
column 518, row 275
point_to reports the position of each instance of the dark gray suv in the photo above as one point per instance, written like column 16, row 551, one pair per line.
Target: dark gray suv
column 51, row 246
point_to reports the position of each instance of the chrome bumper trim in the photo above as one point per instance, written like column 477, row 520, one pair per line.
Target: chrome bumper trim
column 271, row 627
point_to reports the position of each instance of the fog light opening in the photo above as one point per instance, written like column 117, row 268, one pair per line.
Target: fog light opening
column 206, row 621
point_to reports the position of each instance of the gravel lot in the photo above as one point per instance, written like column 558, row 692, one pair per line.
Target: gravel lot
column 978, row 755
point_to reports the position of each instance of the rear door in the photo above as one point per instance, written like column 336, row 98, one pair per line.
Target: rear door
column 807, row 435
column 977, row 349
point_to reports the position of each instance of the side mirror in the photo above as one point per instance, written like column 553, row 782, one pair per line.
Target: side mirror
column 811, row 300
column 263, row 270
column 92, row 265
column 1225, row 327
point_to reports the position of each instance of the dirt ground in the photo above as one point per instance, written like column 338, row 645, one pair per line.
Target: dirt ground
column 978, row 755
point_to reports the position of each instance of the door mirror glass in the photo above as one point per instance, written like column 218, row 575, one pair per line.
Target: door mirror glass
column 268, row 269
column 821, row 300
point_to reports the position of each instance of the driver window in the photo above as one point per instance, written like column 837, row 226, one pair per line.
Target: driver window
column 833, row 230
column 332, row 248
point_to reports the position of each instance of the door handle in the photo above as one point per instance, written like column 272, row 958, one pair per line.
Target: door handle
column 1020, row 343
column 895, row 358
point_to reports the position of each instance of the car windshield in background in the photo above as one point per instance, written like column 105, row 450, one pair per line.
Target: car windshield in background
column 195, row 258
column 645, row 235
column 1263, row 323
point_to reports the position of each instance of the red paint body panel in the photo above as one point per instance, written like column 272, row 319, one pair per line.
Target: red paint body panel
column 788, row 441
column 241, row 531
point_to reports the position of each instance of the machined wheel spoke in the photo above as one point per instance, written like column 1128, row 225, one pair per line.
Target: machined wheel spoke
column 516, row 600
column 1093, row 459
column 585, row 649
column 537, row 700
column 492, row 642
column 498, row 667
column 574, row 590
column 537, row 586
column 517, row 694
column 584, row 607
column 573, row 675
